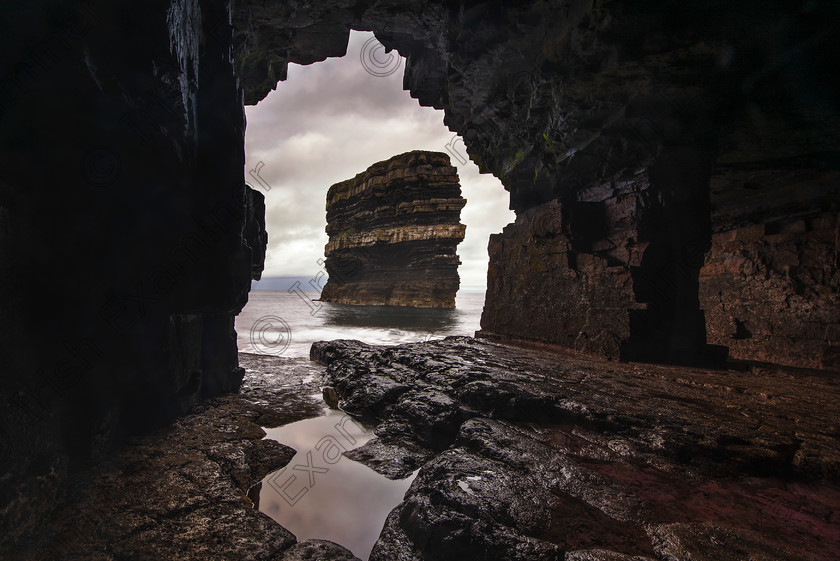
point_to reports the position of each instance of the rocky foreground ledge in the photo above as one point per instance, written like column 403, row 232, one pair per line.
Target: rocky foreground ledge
column 522, row 455
column 182, row 494
column 528, row 456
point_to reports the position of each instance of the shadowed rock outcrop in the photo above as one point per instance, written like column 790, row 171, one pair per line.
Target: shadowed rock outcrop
column 128, row 253
column 771, row 283
column 526, row 455
column 394, row 229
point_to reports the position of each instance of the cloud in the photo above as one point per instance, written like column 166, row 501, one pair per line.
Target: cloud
column 331, row 120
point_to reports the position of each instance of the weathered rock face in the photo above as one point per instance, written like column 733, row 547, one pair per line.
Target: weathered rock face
column 126, row 255
column 394, row 229
column 524, row 455
column 771, row 292
column 771, row 282
column 609, row 273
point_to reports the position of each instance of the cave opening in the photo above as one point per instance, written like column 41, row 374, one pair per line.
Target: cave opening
column 327, row 122
column 673, row 169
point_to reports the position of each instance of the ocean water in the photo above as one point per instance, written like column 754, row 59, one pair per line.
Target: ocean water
column 283, row 323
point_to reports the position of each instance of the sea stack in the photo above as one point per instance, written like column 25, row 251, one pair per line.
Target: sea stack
column 393, row 231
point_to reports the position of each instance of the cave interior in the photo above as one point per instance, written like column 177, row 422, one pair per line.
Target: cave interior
column 674, row 168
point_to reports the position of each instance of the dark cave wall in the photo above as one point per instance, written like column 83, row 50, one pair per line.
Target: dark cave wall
column 750, row 98
column 127, row 237
column 771, row 283
column 612, row 272
column 771, row 292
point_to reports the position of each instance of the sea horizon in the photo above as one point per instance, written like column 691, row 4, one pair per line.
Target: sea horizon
column 314, row 283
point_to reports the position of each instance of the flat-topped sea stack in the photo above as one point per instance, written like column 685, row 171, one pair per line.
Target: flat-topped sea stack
column 393, row 230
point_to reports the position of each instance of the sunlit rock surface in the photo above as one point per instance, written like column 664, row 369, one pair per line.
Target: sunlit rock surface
column 393, row 230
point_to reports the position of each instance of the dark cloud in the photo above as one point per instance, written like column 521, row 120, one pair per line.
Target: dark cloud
column 326, row 123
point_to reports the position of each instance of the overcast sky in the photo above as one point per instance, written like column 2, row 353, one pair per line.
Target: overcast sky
column 331, row 120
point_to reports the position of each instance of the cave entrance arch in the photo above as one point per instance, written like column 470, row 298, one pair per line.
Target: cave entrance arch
column 326, row 122
column 555, row 277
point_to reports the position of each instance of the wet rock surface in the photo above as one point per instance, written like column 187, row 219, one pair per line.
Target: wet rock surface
column 315, row 550
column 528, row 455
column 181, row 493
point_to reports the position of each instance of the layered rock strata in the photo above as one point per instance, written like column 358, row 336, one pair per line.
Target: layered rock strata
column 393, row 233
column 529, row 456
column 772, row 292
column 595, row 275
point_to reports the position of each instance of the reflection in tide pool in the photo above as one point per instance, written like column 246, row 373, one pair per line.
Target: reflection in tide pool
column 322, row 494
